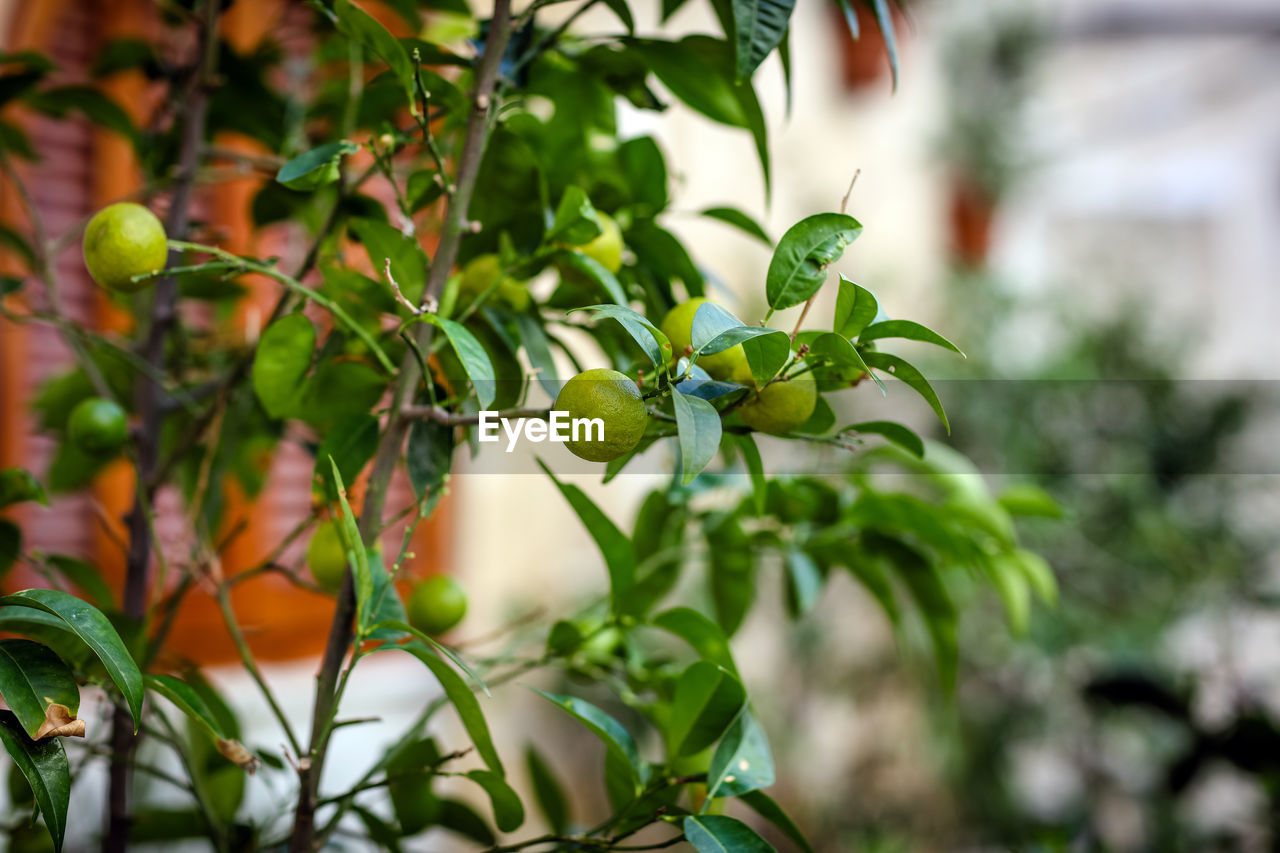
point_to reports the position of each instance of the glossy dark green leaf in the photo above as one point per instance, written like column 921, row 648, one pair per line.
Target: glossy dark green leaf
column 763, row 805
column 32, row 678
column 856, row 308
column 464, row 701
column 315, row 168
column 766, row 354
column 615, row 547
column 384, row 243
column 905, row 329
column 576, row 221
column 688, row 73
column 895, row 432
column 350, row 444
column 700, row 429
column 538, row 349
column 88, row 623
column 743, row 761
column 593, row 271
column 909, row 374
column 618, row 743
column 759, row 26
column 43, row 763
column 338, row 390
column 459, row 817
column 475, row 361
column 721, row 834
column 699, row 632
column 18, row 485
column 508, row 811
column 838, row 351
column 741, row 221
column 645, row 169
column 707, row 699
column 281, row 362
column 799, row 264
column 715, row 330
column 548, row 791
column 623, row 11
column 190, row 702
column 661, row 252
column 650, row 338
column 429, row 455
column 360, row 26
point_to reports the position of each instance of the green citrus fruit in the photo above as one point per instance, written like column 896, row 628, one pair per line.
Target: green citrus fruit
column 327, row 556
column 606, row 249
column 780, row 407
column 612, row 398
column 121, row 241
column 437, row 604
column 480, row 274
column 678, row 327
column 97, row 425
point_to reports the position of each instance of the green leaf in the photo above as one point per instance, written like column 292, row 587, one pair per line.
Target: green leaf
column 475, row 361
column 836, row 349
column 462, row 819
column 593, row 271
column 721, row 834
column 856, row 307
column 694, row 79
column 759, row 26
column 10, row 544
column 360, row 26
column 548, row 790
column 464, row 701
column 620, row 747
column 43, row 763
column 316, row 168
column 538, row 349
column 799, row 264
column 1014, row 591
column 805, row 579
column 1039, row 574
column 18, row 485
column 655, row 344
column 88, row 623
column 32, row 678
column 662, row 253
column 615, row 547
column 766, row 354
column 1028, row 500
column 715, row 330
column 508, row 811
column 742, row 762
column 699, row 425
column 576, row 222
column 87, row 578
column 385, row 243
column 87, row 101
column 700, row 632
column 895, row 432
column 755, row 469
column 885, row 19
column 707, row 699
column 281, row 362
column 906, row 372
column 738, row 219
column 764, row 806
column 429, row 456
column 187, row 700
column 350, row 446
column 357, row 556
column 905, row 329
column 645, row 169
column 623, row 11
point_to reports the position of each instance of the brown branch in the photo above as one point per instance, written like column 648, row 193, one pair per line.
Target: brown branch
column 150, row 399
column 448, row 418
column 455, row 225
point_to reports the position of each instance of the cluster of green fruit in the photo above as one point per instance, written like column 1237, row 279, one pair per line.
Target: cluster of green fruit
column 777, row 407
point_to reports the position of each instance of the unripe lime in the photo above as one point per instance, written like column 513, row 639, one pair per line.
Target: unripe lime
column 612, row 398
column 121, row 241
column 327, row 556
column 728, row 364
column 436, row 604
column 97, row 425
column 480, row 274
column 606, row 249
column 782, row 406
